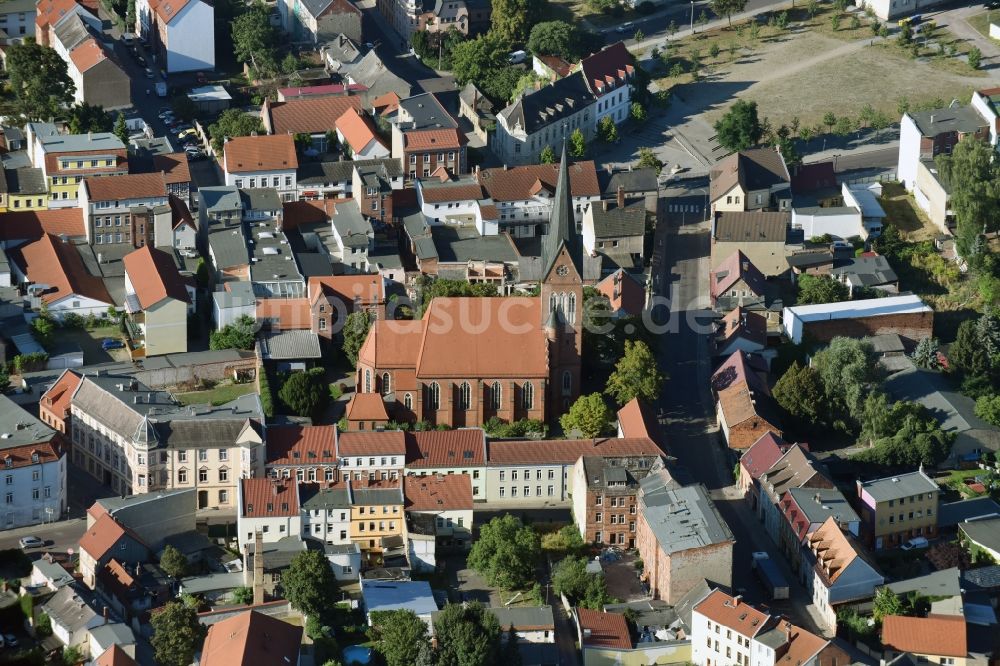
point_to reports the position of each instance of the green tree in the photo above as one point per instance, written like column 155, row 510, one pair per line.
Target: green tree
column 241, row 334
column 844, row 126
column 400, row 635
column 556, row 38
column 39, row 80
column 988, row 408
column 548, row 155
column 714, row 50
column 590, row 415
column 569, row 577
column 918, row 440
column 254, row 39
column 290, row 63
column 972, row 175
column 637, row 112
column 577, row 144
column 4, row 379
column 636, row 375
column 829, row 119
column 971, row 352
column 72, row 655
column 177, row 634
column 975, row 56
column 800, row 393
column 173, row 562
column 506, row 552
column 476, row 59
column 511, row 19
column 886, row 603
column 305, row 393
column 232, row 123
column 849, row 369
column 926, row 354
column 814, row 289
column 595, row 596
column 85, row 118
column 43, row 329
column 607, row 130
column 243, row 595
column 121, row 129
column 309, row 582
column 566, row 541
column 649, row 160
column 727, row 8
column 467, row 635
column 355, row 332
column 739, row 128
column 835, row 22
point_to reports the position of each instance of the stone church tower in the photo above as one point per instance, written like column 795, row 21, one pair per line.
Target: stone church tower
column 562, row 296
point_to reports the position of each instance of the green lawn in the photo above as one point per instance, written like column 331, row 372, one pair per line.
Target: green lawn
column 981, row 22
column 219, row 395
column 956, row 481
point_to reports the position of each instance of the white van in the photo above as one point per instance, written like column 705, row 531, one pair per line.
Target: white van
column 517, row 57
column 916, row 543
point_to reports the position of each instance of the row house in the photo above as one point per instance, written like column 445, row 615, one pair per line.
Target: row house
column 33, row 458
column 923, row 135
column 120, row 212
column 796, row 468
column 468, row 17
column 269, row 507
column 104, row 540
column 750, row 180
column 447, row 501
column 66, row 159
column 320, row 21
column 179, row 32
column 253, row 162
column 158, row 302
column 52, row 272
column 805, row 510
column 332, row 298
column 137, row 440
column 425, row 137
column 744, row 407
column 315, row 116
column 610, row 499
column 98, row 77
column 897, row 508
column 54, row 405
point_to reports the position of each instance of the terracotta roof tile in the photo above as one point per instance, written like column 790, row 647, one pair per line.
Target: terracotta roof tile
column 637, row 419
column 296, row 445
column 102, row 536
column 607, row 630
column 802, row 645
column 515, row 183
column 260, row 153
column 566, row 451
column 387, row 442
column 436, row 139
column 462, row 447
column 936, row 635
column 368, row 289
column 129, row 186
column 358, row 130
column 56, row 264
column 456, row 191
column 174, row 167
column 30, row 225
column 87, row 54
column 269, row 497
column 386, row 103
column 740, row 403
column 285, row 314
column 740, row 367
column 438, row 492
column 743, row 323
column 154, row 276
column 762, row 454
column 607, row 69
column 167, row 10
column 115, row 656
column 367, row 407
column 251, row 639
column 21, row 456
column 310, row 115
column 623, row 292
column 736, row 267
column 833, row 549
column 57, row 398
column 733, row 613
column 308, row 212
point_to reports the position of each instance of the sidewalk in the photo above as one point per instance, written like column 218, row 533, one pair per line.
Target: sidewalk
column 711, row 25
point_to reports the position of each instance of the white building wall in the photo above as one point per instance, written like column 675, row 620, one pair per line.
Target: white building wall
column 331, row 526
column 709, row 645
column 840, row 226
column 909, row 152
column 191, row 38
column 272, row 527
column 616, row 104
column 982, row 104
column 262, row 179
column 77, row 304
column 34, row 494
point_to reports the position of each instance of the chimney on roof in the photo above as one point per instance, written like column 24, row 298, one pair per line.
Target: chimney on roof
column 746, row 266
column 788, row 632
column 105, row 614
column 621, row 196
column 604, row 205
column 737, row 599
column 816, row 498
column 258, row 568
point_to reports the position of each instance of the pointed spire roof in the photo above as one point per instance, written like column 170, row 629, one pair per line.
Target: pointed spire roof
column 145, row 432
column 562, row 223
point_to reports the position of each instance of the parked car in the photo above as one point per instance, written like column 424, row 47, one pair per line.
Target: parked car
column 194, row 157
column 916, row 543
column 31, row 542
column 139, row 59
column 624, row 27
column 187, row 132
column 110, row 343
column 149, row 72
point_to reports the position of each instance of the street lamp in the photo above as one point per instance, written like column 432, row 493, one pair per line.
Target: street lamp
column 692, row 17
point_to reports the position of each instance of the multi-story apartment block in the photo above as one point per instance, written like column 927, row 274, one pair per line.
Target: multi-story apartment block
column 302, row 452
column 53, row 406
column 253, row 162
column 97, row 76
column 426, row 137
column 320, row 21
column 66, row 159
column 376, row 513
column 120, row 211
column 33, row 467
column 449, row 452
column 609, row 73
column 897, row 508
column 137, row 440
column 17, row 18
column 805, row 510
column 363, row 457
column 923, row 135
column 267, row 506
column 180, row 32
column 723, row 628
column 326, row 512
column 605, row 504
column 332, row 298
column 447, row 499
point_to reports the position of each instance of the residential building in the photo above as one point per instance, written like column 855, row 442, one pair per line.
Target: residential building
column 381, row 82
column 935, row 639
column 626, row 296
column 72, row 615
column 933, row 195
column 98, row 77
column 805, row 510
column 376, row 514
column 923, row 135
column 357, row 132
column 837, row 222
column 478, row 109
column 115, row 656
column 26, row 189
column 138, row 440
column 105, row 539
column 373, row 184
column 111, row 634
column 617, row 232
column 750, row 180
column 608, row 73
column 425, row 137
column 599, row 630
column 546, row 117
column 740, row 331
column 16, row 18
column 756, row 460
column 269, row 507
column 50, row 12
column 535, row 624
column 48, row 574
column 447, row 499
column 55, row 277
column 468, row 17
column 865, row 199
column 869, row 271
column 302, row 452
column 53, row 406
column 34, row 457
column 158, row 302
column 736, row 282
column 723, row 629
column 66, row 159
column 605, row 497
column 154, row 518
column 842, row 572
column 179, row 32
column 634, row 183
column 326, row 516
column 461, row 451
column 681, row 538
column 744, row 407
column 333, row 298
column 760, row 236
column 888, row 10
column 981, row 537
column 177, row 175
column 368, row 457
column 315, row 116
column 320, row 21
column 121, row 211
column 906, row 316
column 386, row 595
column 796, row 468
column 252, row 638
column 353, row 235
column 897, row 508
column 260, row 162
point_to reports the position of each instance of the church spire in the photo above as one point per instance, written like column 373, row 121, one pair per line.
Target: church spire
column 562, row 223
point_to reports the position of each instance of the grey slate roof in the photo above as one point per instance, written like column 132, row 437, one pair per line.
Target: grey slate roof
column 19, row 427
column 983, row 578
column 751, row 227
column 985, row 533
column 25, row 180
column 289, row 345
column 426, row 112
column 944, row 583
column 831, row 503
column 262, row 198
column 74, row 143
column 71, row 31
column 617, row 222
column 377, row 496
column 902, row 485
column 351, row 225
column 462, row 244
column 953, row 513
column 963, row 119
column 372, row 72
column 317, row 496
column 634, row 180
column 222, row 198
column 524, row 617
column 70, row 607
column 681, row 518
column 239, row 294
column 865, row 271
column 550, row 104
column 229, row 248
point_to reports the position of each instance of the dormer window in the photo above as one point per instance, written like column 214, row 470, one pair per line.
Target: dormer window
column 34, row 456
column 8, row 462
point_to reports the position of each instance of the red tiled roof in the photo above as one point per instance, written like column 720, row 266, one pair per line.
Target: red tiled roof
column 327, row 89
column 29, row 225
column 298, row 445
column 458, row 191
column 57, row 398
column 623, row 292
column 167, row 10
column 802, row 645
column 20, row 456
column 733, row 268
column 762, row 454
column 607, row 630
column 738, row 369
column 367, row 407
column 128, row 186
column 608, row 69
column 386, row 103
column 102, row 536
column 174, row 167
column 462, row 447
column 251, row 639
column 438, row 492
column 262, row 498
column 636, row 419
column 115, row 656
column 388, row 442
column 436, row 139
column 260, row 153
column 935, row 635
column 87, row 54
column 285, row 313
column 516, row 183
column 308, row 212
column 58, row 265
column 310, row 115
column 368, row 289
column 815, row 176
column 743, row 323
column 358, row 129
column 733, row 613
column 556, row 64
column 154, row 276
column 566, row 451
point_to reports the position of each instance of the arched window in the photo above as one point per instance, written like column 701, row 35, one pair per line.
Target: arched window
column 464, row 396
column 368, row 381
column 567, row 382
column 408, row 401
column 553, row 304
column 571, row 314
column 434, row 395
column 386, row 384
column 528, row 396
column 495, row 395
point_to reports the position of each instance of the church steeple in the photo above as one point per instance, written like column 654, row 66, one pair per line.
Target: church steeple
column 562, row 222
